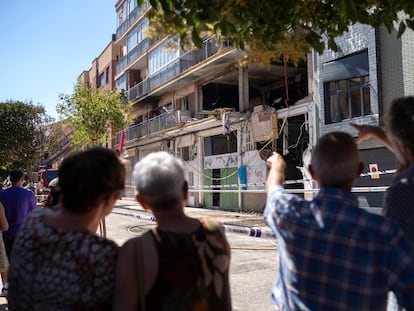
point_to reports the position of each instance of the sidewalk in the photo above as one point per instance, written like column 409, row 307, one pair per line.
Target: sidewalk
column 251, row 224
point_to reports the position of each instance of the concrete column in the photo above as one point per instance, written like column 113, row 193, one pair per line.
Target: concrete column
column 243, row 89
column 198, row 92
column 240, row 142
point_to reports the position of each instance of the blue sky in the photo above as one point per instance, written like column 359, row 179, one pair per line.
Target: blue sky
column 46, row 44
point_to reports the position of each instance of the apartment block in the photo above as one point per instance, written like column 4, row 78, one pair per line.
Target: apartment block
column 217, row 115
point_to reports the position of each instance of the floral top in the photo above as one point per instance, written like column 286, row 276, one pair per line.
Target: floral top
column 52, row 269
column 193, row 270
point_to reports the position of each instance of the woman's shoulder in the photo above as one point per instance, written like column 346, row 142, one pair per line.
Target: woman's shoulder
column 212, row 225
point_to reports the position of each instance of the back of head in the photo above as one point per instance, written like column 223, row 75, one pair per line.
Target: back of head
column 400, row 121
column 159, row 179
column 88, row 177
column 15, row 176
column 335, row 160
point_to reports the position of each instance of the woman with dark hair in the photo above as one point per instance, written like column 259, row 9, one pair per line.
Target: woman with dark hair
column 398, row 136
column 58, row 261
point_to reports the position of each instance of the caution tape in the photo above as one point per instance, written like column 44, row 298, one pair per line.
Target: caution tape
column 249, row 231
column 286, row 182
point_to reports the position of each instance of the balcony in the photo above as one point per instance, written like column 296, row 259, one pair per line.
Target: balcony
column 131, row 19
column 161, row 122
column 175, row 68
column 136, row 52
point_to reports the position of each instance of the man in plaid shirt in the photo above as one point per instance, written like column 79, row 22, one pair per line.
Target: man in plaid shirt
column 332, row 254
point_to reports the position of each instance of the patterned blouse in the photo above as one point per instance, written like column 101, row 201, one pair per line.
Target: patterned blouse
column 193, row 270
column 51, row 269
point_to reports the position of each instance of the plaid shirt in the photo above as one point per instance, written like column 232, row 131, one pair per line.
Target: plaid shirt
column 336, row 256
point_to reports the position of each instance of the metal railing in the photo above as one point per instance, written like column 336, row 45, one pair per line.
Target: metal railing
column 132, row 55
column 175, row 68
column 163, row 121
column 131, row 18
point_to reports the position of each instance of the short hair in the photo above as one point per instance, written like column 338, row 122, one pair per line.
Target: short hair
column 335, row 160
column 88, row 177
column 159, row 179
column 15, row 176
column 400, row 121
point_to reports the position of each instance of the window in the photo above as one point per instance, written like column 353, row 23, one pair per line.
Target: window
column 107, row 75
column 137, row 35
column 346, row 88
column 187, row 153
column 121, row 82
column 347, row 99
column 101, row 82
column 162, row 56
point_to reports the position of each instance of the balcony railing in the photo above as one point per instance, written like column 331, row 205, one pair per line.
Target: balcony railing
column 172, row 70
column 131, row 18
column 133, row 54
column 163, row 121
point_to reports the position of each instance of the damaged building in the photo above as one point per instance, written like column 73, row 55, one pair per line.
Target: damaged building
column 218, row 116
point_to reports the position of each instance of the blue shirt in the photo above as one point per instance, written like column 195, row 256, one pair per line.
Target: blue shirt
column 336, row 256
column 18, row 203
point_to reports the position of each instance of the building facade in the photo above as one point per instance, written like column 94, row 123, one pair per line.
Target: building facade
column 224, row 118
column 206, row 108
column 356, row 84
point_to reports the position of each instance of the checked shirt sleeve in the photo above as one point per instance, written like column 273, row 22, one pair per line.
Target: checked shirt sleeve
column 278, row 203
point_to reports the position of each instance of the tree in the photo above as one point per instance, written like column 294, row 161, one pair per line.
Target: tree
column 283, row 26
column 21, row 126
column 92, row 113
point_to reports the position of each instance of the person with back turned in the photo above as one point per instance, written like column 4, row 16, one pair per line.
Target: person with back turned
column 332, row 254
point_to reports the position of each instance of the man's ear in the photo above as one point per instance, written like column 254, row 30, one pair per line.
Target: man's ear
column 312, row 172
column 141, row 201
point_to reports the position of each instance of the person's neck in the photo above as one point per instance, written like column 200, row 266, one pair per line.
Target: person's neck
column 175, row 220
column 69, row 221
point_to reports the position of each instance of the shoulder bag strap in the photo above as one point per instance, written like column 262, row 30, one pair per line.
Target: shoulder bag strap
column 140, row 272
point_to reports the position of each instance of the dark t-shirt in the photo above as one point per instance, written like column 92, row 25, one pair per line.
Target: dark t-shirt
column 399, row 202
column 18, row 203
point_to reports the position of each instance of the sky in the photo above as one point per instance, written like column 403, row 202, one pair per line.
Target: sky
column 46, row 44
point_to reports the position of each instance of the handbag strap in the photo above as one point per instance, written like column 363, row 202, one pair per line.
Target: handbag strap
column 140, row 271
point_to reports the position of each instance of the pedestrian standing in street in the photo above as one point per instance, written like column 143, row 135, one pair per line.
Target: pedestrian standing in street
column 4, row 259
column 332, row 254
column 183, row 264
column 18, row 203
column 58, row 261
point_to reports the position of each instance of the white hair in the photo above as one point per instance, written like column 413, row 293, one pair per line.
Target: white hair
column 159, row 179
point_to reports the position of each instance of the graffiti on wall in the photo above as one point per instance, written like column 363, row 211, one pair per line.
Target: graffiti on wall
column 221, row 161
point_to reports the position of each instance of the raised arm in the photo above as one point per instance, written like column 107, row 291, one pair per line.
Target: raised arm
column 276, row 175
column 366, row 132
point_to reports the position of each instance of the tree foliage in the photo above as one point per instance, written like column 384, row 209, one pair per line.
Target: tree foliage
column 21, row 126
column 275, row 26
column 92, row 113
